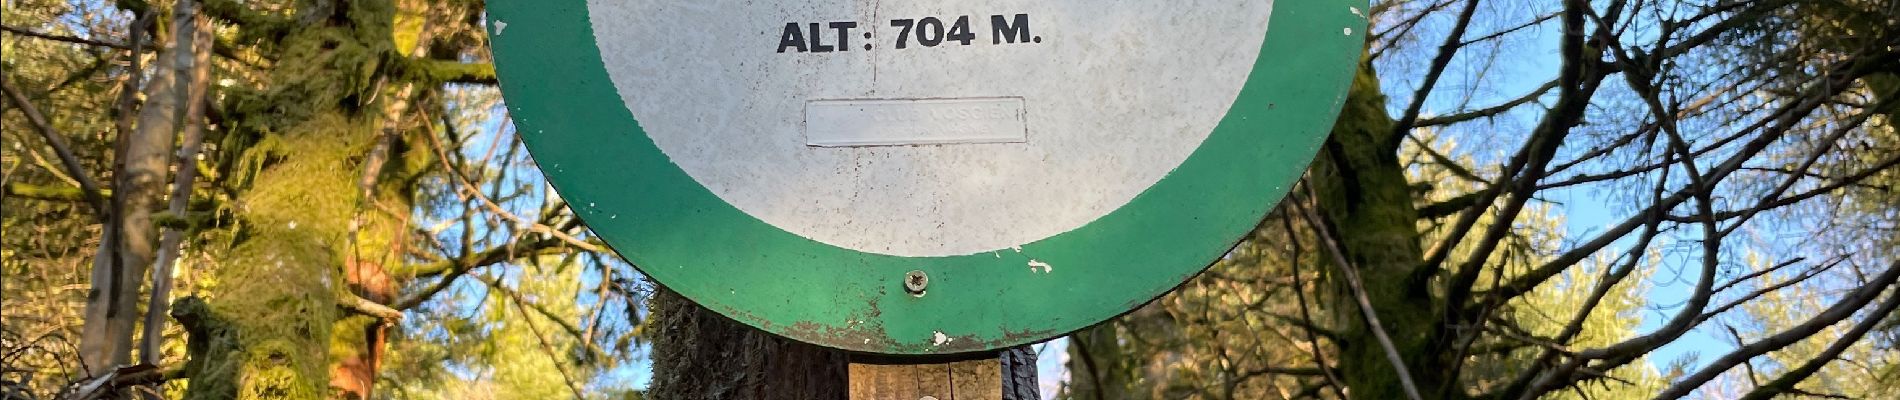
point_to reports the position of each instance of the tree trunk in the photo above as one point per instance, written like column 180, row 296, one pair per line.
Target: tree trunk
column 1364, row 195
column 274, row 289
column 699, row 354
column 1020, row 380
column 130, row 239
column 270, row 326
column 194, row 74
column 1097, row 368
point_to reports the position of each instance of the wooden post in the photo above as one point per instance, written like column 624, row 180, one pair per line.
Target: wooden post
column 977, row 379
column 1009, row 374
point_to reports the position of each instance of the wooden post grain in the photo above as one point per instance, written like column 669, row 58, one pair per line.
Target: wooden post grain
column 978, row 379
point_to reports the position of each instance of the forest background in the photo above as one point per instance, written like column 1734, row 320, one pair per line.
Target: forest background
column 1521, row 199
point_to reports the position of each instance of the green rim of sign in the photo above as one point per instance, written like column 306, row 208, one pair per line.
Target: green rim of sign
column 574, row 122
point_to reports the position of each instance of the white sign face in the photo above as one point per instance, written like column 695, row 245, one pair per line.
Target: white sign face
column 917, row 128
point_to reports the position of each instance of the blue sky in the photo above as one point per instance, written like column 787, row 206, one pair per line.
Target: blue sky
column 1525, row 61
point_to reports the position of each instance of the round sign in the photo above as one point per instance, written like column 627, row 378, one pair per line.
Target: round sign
column 915, row 177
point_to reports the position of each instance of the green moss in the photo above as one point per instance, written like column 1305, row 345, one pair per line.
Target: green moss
column 408, row 25
column 439, row 71
column 57, row 193
column 1363, row 189
column 322, row 68
column 297, row 147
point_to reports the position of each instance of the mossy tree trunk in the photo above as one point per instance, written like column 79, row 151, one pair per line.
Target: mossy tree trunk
column 321, row 209
column 1363, row 194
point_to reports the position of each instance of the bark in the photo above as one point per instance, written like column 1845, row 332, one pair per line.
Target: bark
column 1019, row 374
column 1098, row 369
column 126, row 251
column 1363, row 194
column 699, row 354
column 195, row 75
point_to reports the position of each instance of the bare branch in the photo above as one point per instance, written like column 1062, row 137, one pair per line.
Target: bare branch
column 471, row 189
column 1841, row 310
column 1772, row 128
column 1359, row 294
column 1526, row 25
column 546, row 348
column 566, row 326
column 452, row 269
column 1787, row 381
column 1488, row 112
column 1577, row 83
column 1445, row 53
column 353, row 303
column 1306, row 316
column 62, row 38
column 89, row 188
column 1450, row 165
column 1401, row 29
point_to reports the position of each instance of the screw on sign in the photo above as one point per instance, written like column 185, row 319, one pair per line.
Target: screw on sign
column 915, row 282
column 1034, row 166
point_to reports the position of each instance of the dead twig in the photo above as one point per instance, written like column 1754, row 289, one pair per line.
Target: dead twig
column 1359, row 294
